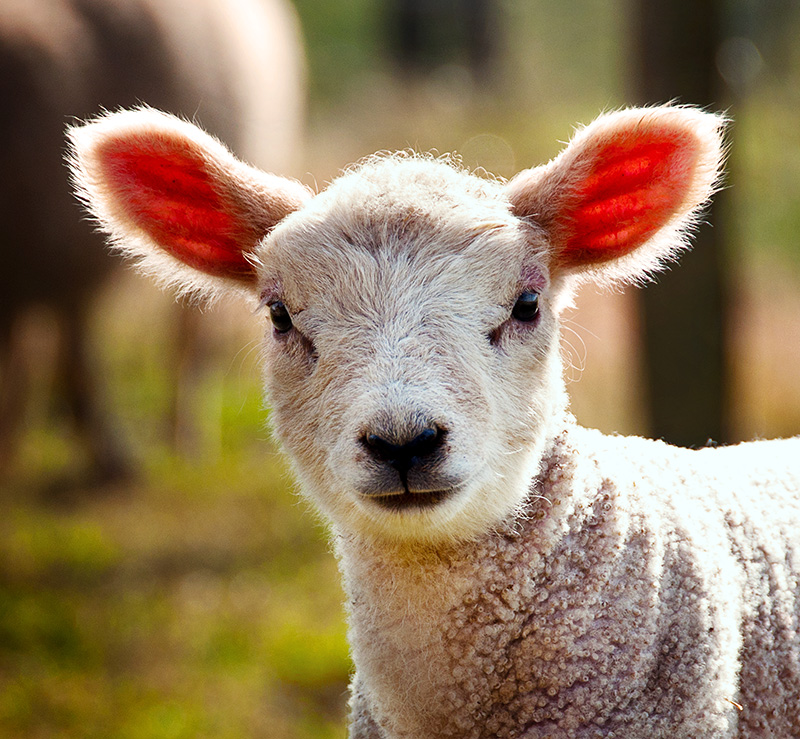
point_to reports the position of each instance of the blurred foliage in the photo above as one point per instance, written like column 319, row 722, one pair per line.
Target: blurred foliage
column 200, row 600
column 558, row 63
column 188, row 605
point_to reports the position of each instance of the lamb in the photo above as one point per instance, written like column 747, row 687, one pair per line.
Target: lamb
column 508, row 573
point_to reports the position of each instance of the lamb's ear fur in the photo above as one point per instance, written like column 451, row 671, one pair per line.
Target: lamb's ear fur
column 619, row 201
column 175, row 199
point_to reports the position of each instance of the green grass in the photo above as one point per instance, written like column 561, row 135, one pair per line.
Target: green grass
column 171, row 611
column 198, row 600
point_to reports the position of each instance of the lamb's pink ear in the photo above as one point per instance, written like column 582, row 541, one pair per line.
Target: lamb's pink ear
column 175, row 198
column 618, row 201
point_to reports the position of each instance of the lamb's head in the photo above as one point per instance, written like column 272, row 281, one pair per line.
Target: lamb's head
column 411, row 368
column 411, row 356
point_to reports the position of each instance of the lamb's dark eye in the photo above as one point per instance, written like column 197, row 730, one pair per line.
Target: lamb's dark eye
column 527, row 307
column 280, row 317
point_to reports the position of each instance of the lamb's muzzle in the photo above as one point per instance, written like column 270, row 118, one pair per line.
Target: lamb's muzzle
column 408, row 462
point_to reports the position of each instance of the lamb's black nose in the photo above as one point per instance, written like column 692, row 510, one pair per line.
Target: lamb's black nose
column 401, row 454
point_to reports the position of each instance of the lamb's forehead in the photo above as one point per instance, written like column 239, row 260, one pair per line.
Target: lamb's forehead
column 395, row 210
column 405, row 176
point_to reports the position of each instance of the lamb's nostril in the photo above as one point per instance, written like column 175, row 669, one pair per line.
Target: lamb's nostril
column 405, row 454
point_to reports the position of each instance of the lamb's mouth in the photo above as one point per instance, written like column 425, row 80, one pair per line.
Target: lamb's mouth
column 408, row 501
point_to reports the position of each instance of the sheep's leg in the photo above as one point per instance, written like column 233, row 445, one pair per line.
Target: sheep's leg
column 13, row 387
column 107, row 459
column 189, row 365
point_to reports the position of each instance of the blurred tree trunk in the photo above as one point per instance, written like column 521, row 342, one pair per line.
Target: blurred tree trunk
column 426, row 34
column 684, row 313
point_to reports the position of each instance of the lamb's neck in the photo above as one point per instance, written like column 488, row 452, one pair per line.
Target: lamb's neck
column 406, row 575
column 440, row 629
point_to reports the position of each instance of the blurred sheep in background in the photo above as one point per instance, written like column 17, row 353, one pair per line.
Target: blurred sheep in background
column 237, row 66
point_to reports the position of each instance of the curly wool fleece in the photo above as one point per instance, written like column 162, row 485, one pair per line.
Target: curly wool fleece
column 653, row 597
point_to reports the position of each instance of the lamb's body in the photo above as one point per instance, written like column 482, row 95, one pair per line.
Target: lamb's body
column 509, row 574
column 621, row 599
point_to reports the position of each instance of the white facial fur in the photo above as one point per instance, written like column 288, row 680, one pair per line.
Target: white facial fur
column 400, row 280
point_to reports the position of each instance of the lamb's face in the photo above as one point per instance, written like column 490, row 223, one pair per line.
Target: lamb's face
column 411, row 363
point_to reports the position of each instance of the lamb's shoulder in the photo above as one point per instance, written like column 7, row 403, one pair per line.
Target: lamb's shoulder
column 721, row 533
column 758, row 480
column 732, row 510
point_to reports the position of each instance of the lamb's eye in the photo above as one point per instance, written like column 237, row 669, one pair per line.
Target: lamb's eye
column 280, row 317
column 527, row 307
